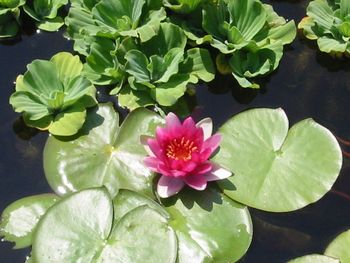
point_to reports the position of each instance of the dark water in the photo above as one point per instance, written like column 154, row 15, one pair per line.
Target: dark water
column 307, row 84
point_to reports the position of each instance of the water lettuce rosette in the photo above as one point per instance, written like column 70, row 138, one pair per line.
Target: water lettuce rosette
column 180, row 153
column 328, row 22
column 112, row 19
column 249, row 35
column 53, row 95
column 45, row 13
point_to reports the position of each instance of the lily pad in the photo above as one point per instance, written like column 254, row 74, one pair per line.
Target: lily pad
column 275, row 169
column 80, row 228
column 210, row 226
column 102, row 154
column 314, row 258
column 20, row 218
column 339, row 247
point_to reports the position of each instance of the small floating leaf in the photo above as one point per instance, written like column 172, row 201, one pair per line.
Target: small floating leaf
column 313, row 259
column 210, row 226
column 19, row 219
column 339, row 247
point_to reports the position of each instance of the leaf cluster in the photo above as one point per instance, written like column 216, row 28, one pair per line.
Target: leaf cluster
column 53, row 95
column 43, row 12
column 328, row 22
column 248, row 34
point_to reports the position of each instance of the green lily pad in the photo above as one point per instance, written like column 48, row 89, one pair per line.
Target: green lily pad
column 314, row 258
column 20, row 218
column 339, row 247
column 80, row 228
column 102, row 154
column 275, row 169
column 210, row 227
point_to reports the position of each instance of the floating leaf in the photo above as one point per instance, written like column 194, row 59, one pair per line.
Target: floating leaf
column 314, row 258
column 102, row 154
column 19, row 219
column 339, row 247
column 81, row 228
column 276, row 169
column 328, row 23
column 53, row 95
column 250, row 33
column 210, row 227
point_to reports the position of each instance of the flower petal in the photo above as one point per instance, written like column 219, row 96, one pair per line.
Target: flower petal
column 212, row 142
column 172, row 121
column 203, row 168
column 217, row 173
column 154, row 147
column 143, row 140
column 152, row 163
column 168, row 186
column 197, row 182
column 207, row 127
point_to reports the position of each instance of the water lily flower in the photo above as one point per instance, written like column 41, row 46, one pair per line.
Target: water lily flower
column 180, row 152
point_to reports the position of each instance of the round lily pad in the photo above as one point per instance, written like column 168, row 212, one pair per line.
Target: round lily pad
column 210, row 227
column 19, row 219
column 102, row 154
column 81, row 228
column 339, row 247
column 275, row 169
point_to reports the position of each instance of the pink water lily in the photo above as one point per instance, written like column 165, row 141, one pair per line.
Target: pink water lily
column 180, row 152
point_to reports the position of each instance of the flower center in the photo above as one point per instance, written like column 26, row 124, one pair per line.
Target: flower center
column 180, row 149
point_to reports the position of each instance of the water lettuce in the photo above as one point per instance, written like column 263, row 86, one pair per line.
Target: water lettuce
column 156, row 71
column 53, row 95
column 45, row 13
column 113, row 19
column 328, row 22
column 249, row 35
column 9, row 17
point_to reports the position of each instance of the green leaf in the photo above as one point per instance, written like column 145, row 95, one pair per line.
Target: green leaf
column 209, row 226
column 53, row 95
column 321, row 13
column 133, row 99
column 314, row 258
column 248, row 16
column 344, row 29
column 19, row 219
column 141, row 234
column 51, row 25
column 136, row 65
column 85, row 222
column 328, row 45
column 102, row 66
column 127, row 200
column 75, row 229
column 166, row 94
column 344, row 8
column 103, row 154
column 339, row 247
column 198, row 64
column 183, row 6
column 275, row 169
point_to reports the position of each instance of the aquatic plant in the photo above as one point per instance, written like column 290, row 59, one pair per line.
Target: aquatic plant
column 328, row 22
column 53, row 95
column 180, row 153
column 153, row 72
column 249, row 35
column 9, row 17
column 45, row 13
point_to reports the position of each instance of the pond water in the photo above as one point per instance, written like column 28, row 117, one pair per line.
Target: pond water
column 306, row 84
